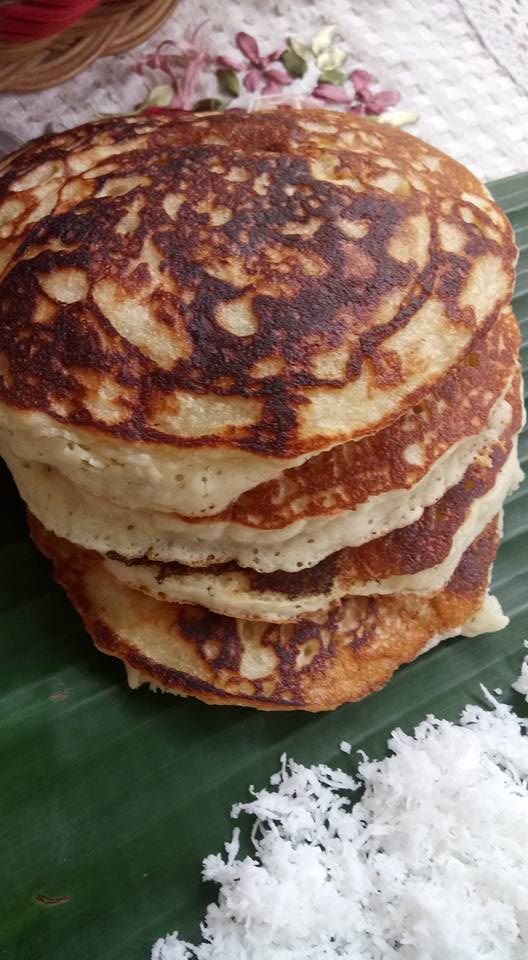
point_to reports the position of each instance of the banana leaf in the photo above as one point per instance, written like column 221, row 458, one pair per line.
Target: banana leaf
column 111, row 798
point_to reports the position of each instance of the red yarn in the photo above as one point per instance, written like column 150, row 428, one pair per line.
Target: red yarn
column 35, row 19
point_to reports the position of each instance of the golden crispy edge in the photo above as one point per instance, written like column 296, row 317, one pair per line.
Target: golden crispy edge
column 341, row 674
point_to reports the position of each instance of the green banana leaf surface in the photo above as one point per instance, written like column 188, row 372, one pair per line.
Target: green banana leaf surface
column 111, row 798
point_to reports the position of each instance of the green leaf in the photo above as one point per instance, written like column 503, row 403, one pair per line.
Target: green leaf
column 295, row 65
column 301, row 49
column 209, row 105
column 112, row 797
column 228, row 81
column 331, row 59
column 159, row 97
column 399, row 118
column 323, row 38
column 333, row 76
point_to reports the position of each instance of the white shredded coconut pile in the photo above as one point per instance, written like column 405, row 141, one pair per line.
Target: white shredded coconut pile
column 430, row 863
column 521, row 684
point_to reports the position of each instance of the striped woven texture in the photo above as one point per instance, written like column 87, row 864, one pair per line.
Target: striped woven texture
column 470, row 105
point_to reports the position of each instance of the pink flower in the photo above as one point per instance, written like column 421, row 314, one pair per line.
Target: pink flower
column 276, row 80
column 249, row 47
column 230, row 62
column 182, row 63
column 366, row 102
column 252, row 80
column 259, row 71
column 361, row 81
column 363, row 101
column 379, row 102
column 332, row 93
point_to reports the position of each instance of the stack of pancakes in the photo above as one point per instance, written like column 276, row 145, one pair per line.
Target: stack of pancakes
column 259, row 388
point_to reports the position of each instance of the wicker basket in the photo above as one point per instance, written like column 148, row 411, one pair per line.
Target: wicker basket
column 113, row 26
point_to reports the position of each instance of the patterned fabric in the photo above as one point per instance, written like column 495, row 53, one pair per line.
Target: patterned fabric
column 454, row 61
column 503, row 28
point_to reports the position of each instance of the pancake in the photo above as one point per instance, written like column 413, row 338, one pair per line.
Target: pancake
column 356, row 492
column 419, row 558
column 314, row 665
column 206, row 304
column 274, row 131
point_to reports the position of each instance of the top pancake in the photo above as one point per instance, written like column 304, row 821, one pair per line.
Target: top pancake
column 275, row 283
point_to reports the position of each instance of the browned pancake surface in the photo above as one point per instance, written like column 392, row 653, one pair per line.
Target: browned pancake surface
column 406, row 551
column 314, row 665
column 398, row 456
column 221, row 281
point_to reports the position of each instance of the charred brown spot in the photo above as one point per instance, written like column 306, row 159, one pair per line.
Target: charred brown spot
column 206, row 629
column 47, row 901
